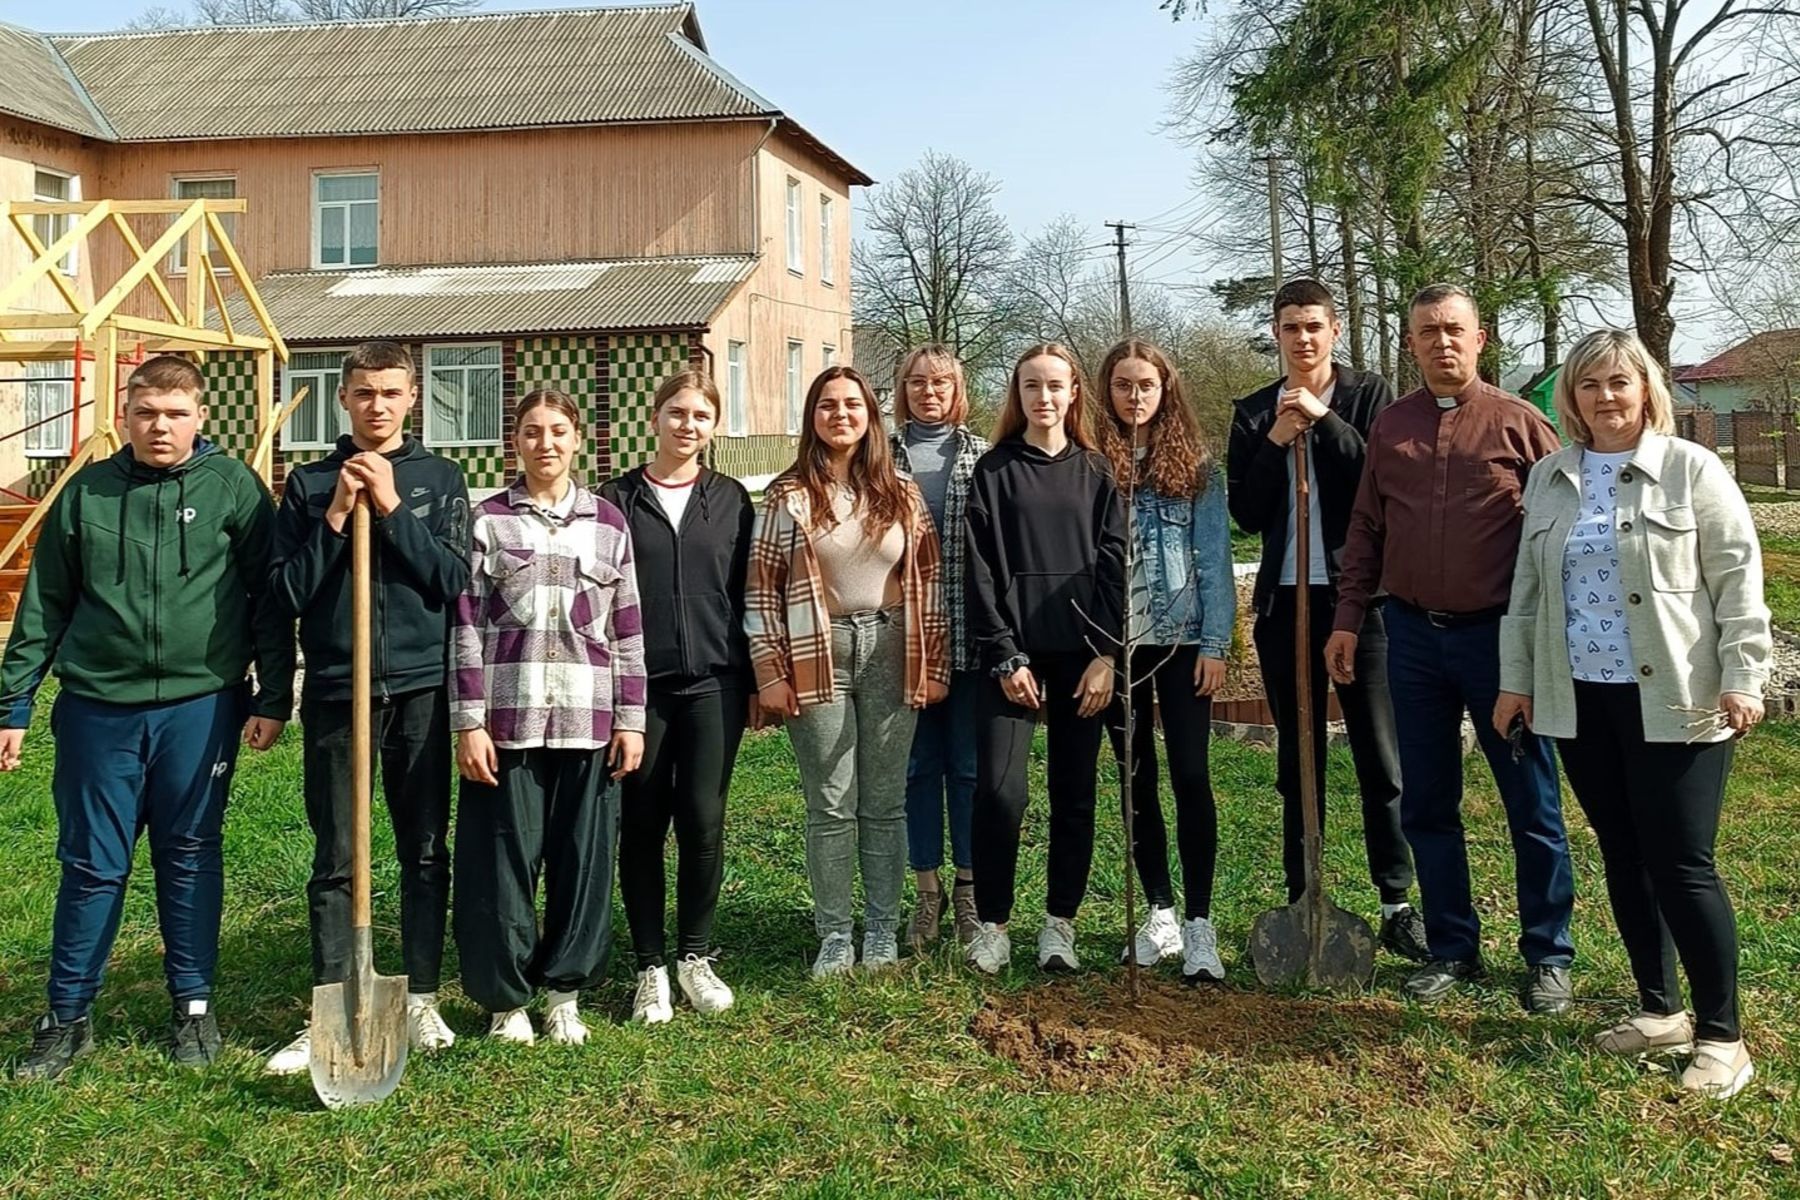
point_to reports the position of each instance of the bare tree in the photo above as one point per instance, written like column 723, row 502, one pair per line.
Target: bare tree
column 935, row 263
column 276, row 12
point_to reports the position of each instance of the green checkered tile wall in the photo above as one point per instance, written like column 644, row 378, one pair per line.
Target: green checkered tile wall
column 638, row 363
column 231, row 402
column 484, row 467
column 567, row 364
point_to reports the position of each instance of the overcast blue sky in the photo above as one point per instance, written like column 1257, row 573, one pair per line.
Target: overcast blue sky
column 1059, row 100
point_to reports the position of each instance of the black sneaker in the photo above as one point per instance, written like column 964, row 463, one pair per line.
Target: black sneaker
column 1439, row 977
column 1403, row 933
column 1548, row 991
column 195, row 1041
column 55, row 1045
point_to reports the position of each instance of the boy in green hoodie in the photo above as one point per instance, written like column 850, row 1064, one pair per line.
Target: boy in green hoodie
column 146, row 597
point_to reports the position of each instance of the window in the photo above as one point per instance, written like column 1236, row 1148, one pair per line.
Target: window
column 223, row 187
column 53, row 187
column 345, row 220
column 796, row 256
column 320, row 420
column 737, row 422
column 828, row 355
column 827, row 243
column 49, row 394
column 462, row 395
column 796, row 397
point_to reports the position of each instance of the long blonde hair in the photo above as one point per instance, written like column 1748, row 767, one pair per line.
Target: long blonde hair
column 1075, row 422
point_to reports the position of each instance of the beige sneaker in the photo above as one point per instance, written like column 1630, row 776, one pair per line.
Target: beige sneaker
column 1720, row 1070
column 1648, row 1033
column 968, row 920
column 928, row 914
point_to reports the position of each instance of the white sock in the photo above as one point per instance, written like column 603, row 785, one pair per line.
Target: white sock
column 1388, row 910
column 428, row 999
column 196, row 1008
column 553, row 999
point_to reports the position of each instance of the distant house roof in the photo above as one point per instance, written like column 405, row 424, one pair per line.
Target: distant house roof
column 877, row 356
column 1771, row 353
column 479, row 301
column 478, row 71
column 37, row 85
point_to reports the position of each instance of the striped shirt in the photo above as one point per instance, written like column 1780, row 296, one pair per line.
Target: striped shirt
column 784, row 601
column 547, row 642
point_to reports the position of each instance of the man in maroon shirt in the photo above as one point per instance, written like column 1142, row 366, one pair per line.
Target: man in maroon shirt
column 1436, row 525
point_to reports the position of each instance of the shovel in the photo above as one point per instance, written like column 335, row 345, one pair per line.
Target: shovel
column 359, row 1038
column 1312, row 941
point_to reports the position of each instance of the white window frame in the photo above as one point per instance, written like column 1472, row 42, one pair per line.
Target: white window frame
column 499, row 367
column 796, row 237
column 827, row 356
column 178, row 256
column 827, row 241
column 326, row 395
column 56, row 225
column 796, row 393
column 737, row 423
column 317, row 209
column 59, row 395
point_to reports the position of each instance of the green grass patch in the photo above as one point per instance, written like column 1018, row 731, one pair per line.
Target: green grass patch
column 877, row 1086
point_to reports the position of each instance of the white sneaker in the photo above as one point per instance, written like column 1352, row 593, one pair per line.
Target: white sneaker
column 295, row 1058
column 880, row 950
column 1056, row 945
column 1200, row 952
column 990, row 950
column 562, row 1020
column 1720, row 1070
column 651, row 1004
column 1159, row 937
column 513, row 1025
column 425, row 1025
column 837, row 956
column 703, row 989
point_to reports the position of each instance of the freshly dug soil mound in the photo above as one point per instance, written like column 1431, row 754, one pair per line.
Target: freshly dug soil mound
column 1078, row 1034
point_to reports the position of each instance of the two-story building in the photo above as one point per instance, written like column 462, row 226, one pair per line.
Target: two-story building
column 579, row 199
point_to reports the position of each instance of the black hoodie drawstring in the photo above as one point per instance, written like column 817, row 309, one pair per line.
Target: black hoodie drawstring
column 181, row 522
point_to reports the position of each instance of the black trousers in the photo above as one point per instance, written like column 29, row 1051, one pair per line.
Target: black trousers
column 1369, row 722
column 1655, row 809
column 1166, row 673
column 412, row 747
column 555, row 813
column 1003, row 750
column 690, row 747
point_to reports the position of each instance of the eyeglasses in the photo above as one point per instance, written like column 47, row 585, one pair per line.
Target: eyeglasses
column 936, row 383
column 1125, row 387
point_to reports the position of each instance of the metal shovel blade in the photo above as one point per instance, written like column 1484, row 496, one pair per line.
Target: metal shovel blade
column 1283, row 949
column 358, row 1058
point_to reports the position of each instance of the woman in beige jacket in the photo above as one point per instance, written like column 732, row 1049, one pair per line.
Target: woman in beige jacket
column 1637, row 637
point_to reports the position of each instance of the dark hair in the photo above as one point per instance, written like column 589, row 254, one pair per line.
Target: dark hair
column 1012, row 410
column 166, row 373
column 1178, row 463
column 872, row 478
column 1303, row 293
column 1437, row 293
column 689, row 381
column 538, row 398
column 379, row 356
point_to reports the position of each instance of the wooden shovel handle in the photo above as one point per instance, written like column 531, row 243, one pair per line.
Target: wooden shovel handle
column 361, row 769
column 1303, row 695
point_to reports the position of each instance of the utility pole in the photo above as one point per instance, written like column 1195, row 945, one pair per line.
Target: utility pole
column 1275, row 219
column 1119, row 228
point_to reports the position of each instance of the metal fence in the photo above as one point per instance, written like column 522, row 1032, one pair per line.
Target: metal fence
column 1760, row 440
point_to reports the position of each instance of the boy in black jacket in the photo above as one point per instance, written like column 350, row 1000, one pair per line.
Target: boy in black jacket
column 420, row 509
column 1332, row 406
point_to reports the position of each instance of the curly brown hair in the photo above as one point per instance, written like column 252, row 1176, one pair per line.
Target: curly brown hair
column 878, row 488
column 1179, row 462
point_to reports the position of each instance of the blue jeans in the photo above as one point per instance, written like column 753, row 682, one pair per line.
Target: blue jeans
column 940, row 775
column 122, row 769
column 1434, row 674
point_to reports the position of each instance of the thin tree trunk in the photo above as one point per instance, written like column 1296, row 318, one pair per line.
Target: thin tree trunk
column 1353, row 304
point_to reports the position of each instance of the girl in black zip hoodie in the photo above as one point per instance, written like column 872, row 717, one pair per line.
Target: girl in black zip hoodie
column 1046, row 590
column 690, row 534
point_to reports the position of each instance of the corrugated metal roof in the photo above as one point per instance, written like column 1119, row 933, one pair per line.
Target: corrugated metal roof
column 479, row 71
column 36, row 84
column 479, row 301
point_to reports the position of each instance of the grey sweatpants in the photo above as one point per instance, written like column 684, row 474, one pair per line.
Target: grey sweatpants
column 852, row 755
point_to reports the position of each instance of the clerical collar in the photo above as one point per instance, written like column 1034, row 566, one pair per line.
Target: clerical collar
column 1445, row 401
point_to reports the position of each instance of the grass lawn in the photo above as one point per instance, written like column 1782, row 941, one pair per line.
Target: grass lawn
column 1781, row 579
column 888, row 1086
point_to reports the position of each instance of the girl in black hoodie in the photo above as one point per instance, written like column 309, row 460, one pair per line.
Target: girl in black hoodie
column 1046, row 588
column 690, row 531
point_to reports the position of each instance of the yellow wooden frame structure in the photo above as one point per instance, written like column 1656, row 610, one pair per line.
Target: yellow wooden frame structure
column 108, row 333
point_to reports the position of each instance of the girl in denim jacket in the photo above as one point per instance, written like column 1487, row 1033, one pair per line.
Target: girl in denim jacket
column 1181, row 606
